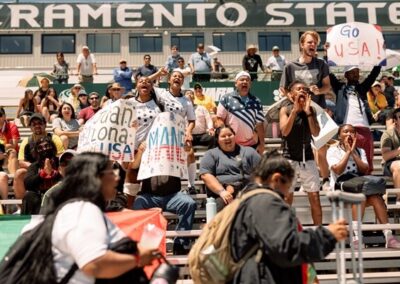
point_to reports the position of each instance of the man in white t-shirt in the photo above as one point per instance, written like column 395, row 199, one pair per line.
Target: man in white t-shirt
column 86, row 66
column 276, row 63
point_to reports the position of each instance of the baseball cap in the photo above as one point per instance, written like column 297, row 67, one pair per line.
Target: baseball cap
column 36, row 116
column 77, row 86
column 376, row 83
column 85, row 47
column 82, row 92
column 66, row 153
column 197, row 86
column 200, row 45
column 349, row 68
column 275, row 48
column 122, row 60
column 242, row 73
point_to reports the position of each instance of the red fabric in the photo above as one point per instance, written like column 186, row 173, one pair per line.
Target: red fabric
column 87, row 113
column 304, row 266
column 132, row 222
column 10, row 132
column 366, row 142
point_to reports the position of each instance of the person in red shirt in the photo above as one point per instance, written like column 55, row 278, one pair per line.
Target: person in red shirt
column 9, row 137
column 86, row 113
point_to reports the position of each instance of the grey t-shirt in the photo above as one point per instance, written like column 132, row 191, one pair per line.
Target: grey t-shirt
column 72, row 125
column 201, row 62
column 226, row 166
column 308, row 73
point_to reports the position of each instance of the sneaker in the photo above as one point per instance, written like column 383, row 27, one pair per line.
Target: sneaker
column 326, row 186
column 192, row 190
column 392, row 242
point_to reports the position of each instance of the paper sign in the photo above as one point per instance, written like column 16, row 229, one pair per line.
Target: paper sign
column 109, row 131
column 165, row 154
column 328, row 128
column 355, row 43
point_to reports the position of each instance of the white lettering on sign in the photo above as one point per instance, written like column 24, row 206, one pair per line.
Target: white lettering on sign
column 310, row 11
column 103, row 11
column 159, row 12
column 59, row 12
column 200, row 12
column 27, row 13
column 394, row 13
column 286, row 19
column 371, row 8
column 346, row 11
column 221, row 17
column 126, row 15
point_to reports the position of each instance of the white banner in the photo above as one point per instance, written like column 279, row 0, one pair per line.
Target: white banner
column 165, row 154
column 109, row 131
column 355, row 43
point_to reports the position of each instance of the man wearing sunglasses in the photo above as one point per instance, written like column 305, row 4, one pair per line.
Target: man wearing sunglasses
column 390, row 147
column 94, row 106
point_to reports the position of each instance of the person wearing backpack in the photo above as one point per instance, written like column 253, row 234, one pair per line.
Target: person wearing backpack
column 272, row 224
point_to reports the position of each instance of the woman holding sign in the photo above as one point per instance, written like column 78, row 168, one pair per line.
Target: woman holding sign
column 147, row 109
column 164, row 191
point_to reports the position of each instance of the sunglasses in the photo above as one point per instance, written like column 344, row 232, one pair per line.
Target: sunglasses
column 116, row 89
column 147, row 58
column 94, row 98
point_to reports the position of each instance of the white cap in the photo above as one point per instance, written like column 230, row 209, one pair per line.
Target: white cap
column 242, row 73
column 349, row 68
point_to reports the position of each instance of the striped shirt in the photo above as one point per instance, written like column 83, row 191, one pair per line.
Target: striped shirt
column 242, row 113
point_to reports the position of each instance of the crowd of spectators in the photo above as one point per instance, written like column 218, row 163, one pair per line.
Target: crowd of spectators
column 233, row 131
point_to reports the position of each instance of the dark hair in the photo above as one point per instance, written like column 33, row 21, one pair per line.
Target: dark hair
column 394, row 112
column 273, row 162
column 46, row 139
column 342, row 126
column 59, row 54
column 218, row 131
column 295, row 82
column 48, row 102
column 107, row 92
column 82, row 180
column 153, row 95
column 146, row 55
column 73, row 116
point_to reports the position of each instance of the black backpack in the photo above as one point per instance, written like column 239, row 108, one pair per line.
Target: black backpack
column 30, row 259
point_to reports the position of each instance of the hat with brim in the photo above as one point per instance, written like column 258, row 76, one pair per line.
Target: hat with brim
column 376, row 83
column 197, row 86
column 241, row 74
column 348, row 68
column 37, row 116
column 275, row 48
column 252, row 46
column 67, row 153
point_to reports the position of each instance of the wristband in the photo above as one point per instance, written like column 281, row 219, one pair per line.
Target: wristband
column 221, row 191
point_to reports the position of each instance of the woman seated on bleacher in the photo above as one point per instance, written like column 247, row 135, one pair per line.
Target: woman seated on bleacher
column 26, row 107
column 345, row 159
column 377, row 103
column 67, row 126
column 226, row 169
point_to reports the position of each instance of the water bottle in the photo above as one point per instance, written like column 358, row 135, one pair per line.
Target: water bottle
column 211, row 209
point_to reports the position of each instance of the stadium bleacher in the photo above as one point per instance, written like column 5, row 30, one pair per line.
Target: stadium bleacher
column 381, row 264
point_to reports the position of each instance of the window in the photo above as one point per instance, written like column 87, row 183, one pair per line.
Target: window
column 16, row 44
column 392, row 40
column 322, row 36
column 145, row 43
column 105, row 43
column 187, row 42
column 268, row 40
column 58, row 43
column 230, row 41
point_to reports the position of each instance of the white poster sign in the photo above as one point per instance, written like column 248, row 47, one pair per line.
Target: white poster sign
column 109, row 131
column 355, row 43
column 328, row 128
column 165, row 154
